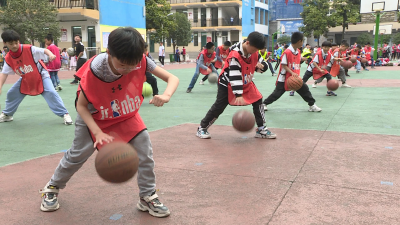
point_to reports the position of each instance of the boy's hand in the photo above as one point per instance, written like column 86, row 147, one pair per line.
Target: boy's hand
column 260, row 66
column 159, row 100
column 240, row 101
column 52, row 57
column 102, row 137
column 294, row 74
column 209, row 70
column 223, row 64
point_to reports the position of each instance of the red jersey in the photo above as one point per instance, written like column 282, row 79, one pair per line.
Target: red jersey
column 117, row 102
column 207, row 60
column 336, row 64
column 293, row 62
column 223, row 54
column 322, row 63
column 26, row 67
column 250, row 91
column 367, row 51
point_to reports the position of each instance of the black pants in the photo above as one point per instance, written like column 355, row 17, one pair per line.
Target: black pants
column 278, row 61
column 309, row 74
column 270, row 67
column 304, row 92
column 220, row 104
column 79, row 64
column 205, row 77
column 153, row 82
column 161, row 59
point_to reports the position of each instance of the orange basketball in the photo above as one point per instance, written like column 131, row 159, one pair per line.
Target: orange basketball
column 332, row 85
column 346, row 64
column 117, row 162
column 294, row 83
column 243, row 120
column 353, row 59
column 364, row 60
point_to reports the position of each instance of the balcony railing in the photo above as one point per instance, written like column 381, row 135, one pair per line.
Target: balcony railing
column 216, row 23
column 86, row 4
column 194, row 1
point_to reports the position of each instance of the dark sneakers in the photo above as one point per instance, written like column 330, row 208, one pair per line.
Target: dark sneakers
column 49, row 198
column 152, row 204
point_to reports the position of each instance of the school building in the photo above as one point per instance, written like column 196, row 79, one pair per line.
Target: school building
column 218, row 21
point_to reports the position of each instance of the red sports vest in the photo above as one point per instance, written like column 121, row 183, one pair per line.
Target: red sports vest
column 322, row 64
column 355, row 53
column 207, row 60
column 367, row 53
column 117, row 102
column 25, row 66
column 293, row 63
column 250, row 91
column 223, row 54
column 336, row 64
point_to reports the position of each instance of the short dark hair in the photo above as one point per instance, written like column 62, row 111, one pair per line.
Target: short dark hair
column 345, row 44
column 228, row 43
column 296, row 37
column 49, row 37
column 127, row 45
column 307, row 44
column 10, row 35
column 64, row 49
column 256, row 39
column 368, row 43
column 359, row 46
column 146, row 45
column 343, row 41
column 326, row 44
column 80, row 36
column 209, row 45
column 334, row 44
column 286, row 46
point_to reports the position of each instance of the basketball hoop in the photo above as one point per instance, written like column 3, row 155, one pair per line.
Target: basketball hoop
column 378, row 6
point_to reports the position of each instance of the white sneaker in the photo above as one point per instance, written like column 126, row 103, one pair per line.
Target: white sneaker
column 314, row 108
column 265, row 107
column 201, row 82
column 203, row 133
column 346, row 86
column 59, row 87
column 274, row 74
column 5, row 118
column 314, row 85
column 67, row 119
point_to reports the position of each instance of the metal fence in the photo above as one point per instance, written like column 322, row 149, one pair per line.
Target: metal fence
column 92, row 51
column 86, row 4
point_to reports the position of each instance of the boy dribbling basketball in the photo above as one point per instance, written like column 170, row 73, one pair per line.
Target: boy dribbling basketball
column 109, row 98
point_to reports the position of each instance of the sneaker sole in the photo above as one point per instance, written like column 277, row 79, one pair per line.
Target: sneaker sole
column 264, row 137
column 314, row 111
column 144, row 208
column 9, row 120
column 49, row 210
column 67, row 123
column 209, row 137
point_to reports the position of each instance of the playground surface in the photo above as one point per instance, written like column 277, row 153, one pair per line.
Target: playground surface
column 339, row 166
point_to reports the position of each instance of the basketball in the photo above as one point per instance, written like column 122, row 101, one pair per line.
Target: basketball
column 116, row 162
column 213, row 78
column 332, row 85
column 353, row 59
column 346, row 64
column 243, row 120
column 364, row 60
column 147, row 90
column 71, row 51
column 294, row 83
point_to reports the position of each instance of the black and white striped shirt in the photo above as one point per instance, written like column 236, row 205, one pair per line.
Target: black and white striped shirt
column 233, row 73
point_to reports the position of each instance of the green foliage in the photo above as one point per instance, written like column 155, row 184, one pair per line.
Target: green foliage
column 396, row 38
column 315, row 19
column 157, row 23
column 385, row 38
column 32, row 19
column 180, row 33
column 345, row 12
column 364, row 38
column 284, row 39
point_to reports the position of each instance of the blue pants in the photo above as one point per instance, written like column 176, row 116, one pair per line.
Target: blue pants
column 358, row 66
column 54, row 78
column 14, row 98
column 196, row 75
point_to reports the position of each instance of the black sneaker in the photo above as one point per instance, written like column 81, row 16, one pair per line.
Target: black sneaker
column 74, row 82
column 49, row 198
column 152, row 204
column 188, row 90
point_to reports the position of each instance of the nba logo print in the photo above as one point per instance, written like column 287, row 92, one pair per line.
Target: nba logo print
column 115, row 108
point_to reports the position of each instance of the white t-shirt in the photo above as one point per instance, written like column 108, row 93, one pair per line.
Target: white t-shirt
column 161, row 51
column 316, row 59
column 282, row 75
column 38, row 54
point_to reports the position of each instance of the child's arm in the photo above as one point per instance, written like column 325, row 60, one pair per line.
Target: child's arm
column 262, row 66
column 82, row 108
column 3, row 78
column 172, row 85
column 50, row 54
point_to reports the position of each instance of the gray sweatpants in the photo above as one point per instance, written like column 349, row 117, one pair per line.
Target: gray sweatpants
column 82, row 149
column 341, row 76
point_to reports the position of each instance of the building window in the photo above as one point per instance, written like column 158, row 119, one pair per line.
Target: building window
column 196, row 15
column 196, row 38
column 252, row 22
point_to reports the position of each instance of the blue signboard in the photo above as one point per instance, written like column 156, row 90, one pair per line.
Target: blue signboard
column 290, row 26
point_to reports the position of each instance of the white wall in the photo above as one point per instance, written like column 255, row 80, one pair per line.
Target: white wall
column 261, row 5
column 261, row 28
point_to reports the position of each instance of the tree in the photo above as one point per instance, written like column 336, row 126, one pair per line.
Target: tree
column 345, row 12
column 315, row 19
column 364, row 38
column 32, row 19
column 180, row 32
column 284, row 39
column 385, row 38
column 157, row 23
column 396, row 38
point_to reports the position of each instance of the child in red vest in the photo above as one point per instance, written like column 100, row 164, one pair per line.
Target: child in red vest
column 339, row 55
column 109, row 98
column 236, row 86
column 222, row 53
column 27, row 62
column 318, row 67
column 368, row 54
column 204, row 64
column 54, row 66
column 290, row 66
column 358, row 53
